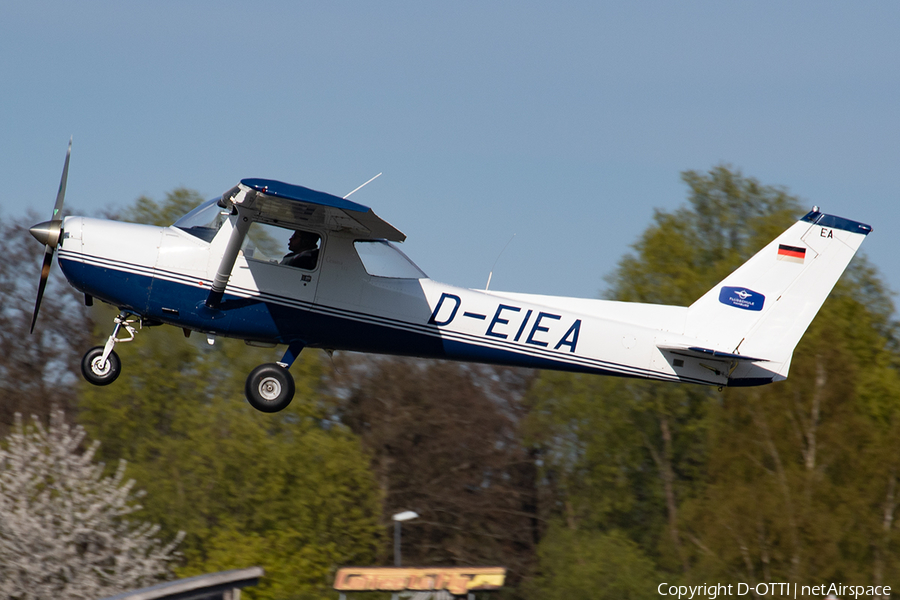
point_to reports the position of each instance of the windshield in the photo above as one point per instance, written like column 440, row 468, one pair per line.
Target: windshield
column 204, row 221
column 382, row 259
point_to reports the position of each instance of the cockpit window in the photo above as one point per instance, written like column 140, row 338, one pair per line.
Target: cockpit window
column 303, row 250
column 204, row 221
column 293, row 248
column 382, row 259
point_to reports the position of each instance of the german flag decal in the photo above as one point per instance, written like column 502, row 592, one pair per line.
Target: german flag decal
column 791, row 253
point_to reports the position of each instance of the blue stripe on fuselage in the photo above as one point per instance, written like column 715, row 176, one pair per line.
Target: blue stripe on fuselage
column 265, row 318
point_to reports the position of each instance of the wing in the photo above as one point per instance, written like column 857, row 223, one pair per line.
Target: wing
column 286, row 205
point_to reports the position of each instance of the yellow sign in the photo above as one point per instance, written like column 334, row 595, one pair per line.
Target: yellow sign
column 456, row 580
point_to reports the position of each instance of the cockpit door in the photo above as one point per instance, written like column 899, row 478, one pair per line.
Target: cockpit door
column 282, row 265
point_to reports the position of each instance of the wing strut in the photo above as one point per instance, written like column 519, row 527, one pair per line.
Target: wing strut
column 241, row 226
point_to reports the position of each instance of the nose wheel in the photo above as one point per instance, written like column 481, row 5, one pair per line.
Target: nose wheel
column 99, row 371
column 101, row 365
column 269, row 388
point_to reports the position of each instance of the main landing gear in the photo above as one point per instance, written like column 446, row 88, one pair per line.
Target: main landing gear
column 269, row 387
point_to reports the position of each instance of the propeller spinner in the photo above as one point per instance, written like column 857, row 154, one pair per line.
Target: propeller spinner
column 49, row 234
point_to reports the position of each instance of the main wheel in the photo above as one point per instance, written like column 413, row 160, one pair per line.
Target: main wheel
column 269, row 388
column 97, row 373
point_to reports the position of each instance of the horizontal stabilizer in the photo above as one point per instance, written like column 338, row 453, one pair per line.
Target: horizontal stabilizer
column 698, row 352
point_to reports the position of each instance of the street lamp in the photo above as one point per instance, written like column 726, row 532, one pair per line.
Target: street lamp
column 399, row 518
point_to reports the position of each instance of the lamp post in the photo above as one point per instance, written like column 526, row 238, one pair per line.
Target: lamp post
column 399, row 518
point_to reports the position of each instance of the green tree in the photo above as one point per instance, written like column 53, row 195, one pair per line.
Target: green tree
column 589, row 564
column 802, row 477
column 291, row 492
column 754, row 482
column 683, row 254
column 176, row 204
column 445, row 442
column 641, row 445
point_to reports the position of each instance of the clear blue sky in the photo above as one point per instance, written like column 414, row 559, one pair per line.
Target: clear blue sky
column 563, row 123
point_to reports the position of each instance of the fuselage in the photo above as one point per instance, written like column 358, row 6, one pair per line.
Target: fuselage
column 164, row 274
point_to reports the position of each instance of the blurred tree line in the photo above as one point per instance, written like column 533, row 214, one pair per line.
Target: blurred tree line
column 583, row 486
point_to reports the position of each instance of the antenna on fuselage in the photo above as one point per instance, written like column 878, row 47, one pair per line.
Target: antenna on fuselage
column 491, row 274
column 363, row 185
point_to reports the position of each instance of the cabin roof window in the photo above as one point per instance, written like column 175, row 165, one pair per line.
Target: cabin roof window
column 382, row 259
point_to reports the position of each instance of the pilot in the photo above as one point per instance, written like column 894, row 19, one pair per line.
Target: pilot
column 303, row 250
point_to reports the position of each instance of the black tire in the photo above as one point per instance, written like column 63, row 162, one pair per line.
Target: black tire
column 99, row 374
column 269, row 388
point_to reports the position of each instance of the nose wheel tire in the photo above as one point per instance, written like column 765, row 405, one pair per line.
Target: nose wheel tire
column 97, row 372
column 269, row 388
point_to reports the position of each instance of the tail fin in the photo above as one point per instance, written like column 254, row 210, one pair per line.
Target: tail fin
column 763, row 308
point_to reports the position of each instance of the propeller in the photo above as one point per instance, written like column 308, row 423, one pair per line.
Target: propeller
column 49, row 234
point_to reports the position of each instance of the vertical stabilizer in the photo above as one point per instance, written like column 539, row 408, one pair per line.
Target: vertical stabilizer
column 763, row 308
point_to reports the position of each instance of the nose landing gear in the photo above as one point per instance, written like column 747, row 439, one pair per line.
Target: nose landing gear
column 101, row 365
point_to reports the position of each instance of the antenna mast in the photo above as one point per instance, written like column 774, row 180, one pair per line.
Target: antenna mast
column 491, row 274
column 363, row 185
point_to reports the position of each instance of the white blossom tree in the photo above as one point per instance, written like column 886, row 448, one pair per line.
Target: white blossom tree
column 65, row 530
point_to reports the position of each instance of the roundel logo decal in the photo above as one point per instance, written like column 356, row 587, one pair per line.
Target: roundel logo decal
column 741, row 297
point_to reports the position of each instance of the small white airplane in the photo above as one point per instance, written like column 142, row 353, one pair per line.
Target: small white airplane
column 345, row 285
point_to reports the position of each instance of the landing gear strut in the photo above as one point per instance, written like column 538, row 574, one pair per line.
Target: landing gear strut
column 101, row 365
